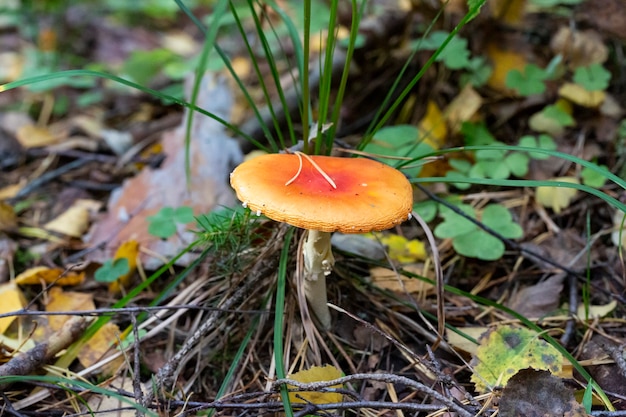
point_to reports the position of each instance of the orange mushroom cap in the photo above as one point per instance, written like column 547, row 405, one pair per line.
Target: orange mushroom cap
column 369, row 195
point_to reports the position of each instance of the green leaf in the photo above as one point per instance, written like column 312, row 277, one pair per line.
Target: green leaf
column 454, row 224
column 399, row 140
column 528, row 83
column 480, row 245
column 594, row 178
column 542, row 142
column 478, row 72
column 163, row 224
column 555, row 113
column 454, row 56
column 112, row 270
column 477, row 134
column 426, row 209
column 455, row 175
column 594, row 77
column 499, row 219
column 517, row 163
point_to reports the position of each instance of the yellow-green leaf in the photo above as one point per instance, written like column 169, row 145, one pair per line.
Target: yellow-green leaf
column 556, row 198
column 315, row 374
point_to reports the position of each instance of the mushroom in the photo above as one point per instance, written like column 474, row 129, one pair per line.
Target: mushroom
column 323, row 194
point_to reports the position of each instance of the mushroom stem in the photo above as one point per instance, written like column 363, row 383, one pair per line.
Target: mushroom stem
column 318, row 262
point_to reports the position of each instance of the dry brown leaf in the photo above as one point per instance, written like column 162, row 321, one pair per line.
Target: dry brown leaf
column 12, row 300
column 43, row 275
column 213, row 156
column 535, row 301
column 579, row 48
column 533, row 393
column 389, row 280
column 59, row 300
column 75, row 220
column 463, row 107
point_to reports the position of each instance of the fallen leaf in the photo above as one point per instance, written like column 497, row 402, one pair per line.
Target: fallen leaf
column 101, row 344
column 403, row 250
column 579, row 48
column 556, row 198
column 42, row 274
column 538, row 300
column 129, row 251
column 388, row 279
column 75, row 220
column 503, row 61
column 511, row 13
column 506, row 350
column 31, row 136
column 8, row 218
column 315, row 374
column 12, row 300
column 463, row 107
column 579, row 95
column 595, row 311
column 460, row 342
column 433, row 126
column 535, row 393
column 213, row 156
column 59, row 300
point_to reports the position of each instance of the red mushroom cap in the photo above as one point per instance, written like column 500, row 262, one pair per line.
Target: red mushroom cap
column 369, row 195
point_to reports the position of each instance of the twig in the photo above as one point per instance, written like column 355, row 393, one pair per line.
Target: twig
column 381, row 377
column 35, row 358
column 266, row 262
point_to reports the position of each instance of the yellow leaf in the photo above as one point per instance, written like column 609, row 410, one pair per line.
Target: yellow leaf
column 59, row 300
column 31, row 136
column 463, row 107
column 402, row 250
column 510, row 12
column 579, row 95
column 56, row 276
column 11, row 191
column 503, row 62
column 433, row 126
column 8, row 219
column 459, row 342
column 99, row 346
column 128, row 250
column 75, row 220
column 315, row 374
column 12, row 300
column 556, row 198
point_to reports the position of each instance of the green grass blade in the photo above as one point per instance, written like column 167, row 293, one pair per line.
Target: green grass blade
column 473, row 11
column 209, row 42
column 99, row 74
column 306, row 93
column 238, row 81
column 279, row 319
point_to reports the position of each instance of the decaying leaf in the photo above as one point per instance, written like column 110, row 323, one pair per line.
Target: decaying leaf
column 507, row 349
column 12, row 300
column 534, row 393
column 579, row 48
column 403, row 250
column 460, row 342
column 75, row 220
column 503, row 61
column 433, row 126
column 390, row 280
column 43, row 275
column 595, row 311
column 128, row 250
column 556, row 198
column 99, row 346
column 315, row 374
column 213, row 156
column 539, row 299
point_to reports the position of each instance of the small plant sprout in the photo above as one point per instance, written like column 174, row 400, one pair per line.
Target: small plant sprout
column 323, row 194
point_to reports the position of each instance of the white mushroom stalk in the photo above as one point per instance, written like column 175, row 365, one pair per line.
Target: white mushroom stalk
column 318, row 263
